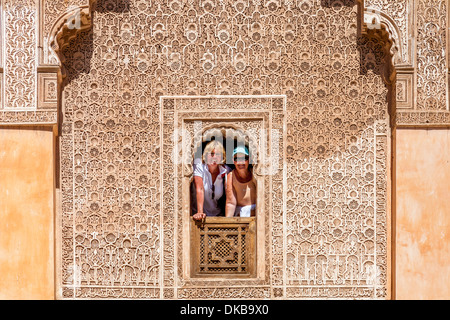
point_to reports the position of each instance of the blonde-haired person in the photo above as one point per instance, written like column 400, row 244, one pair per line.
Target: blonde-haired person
column 209, row 181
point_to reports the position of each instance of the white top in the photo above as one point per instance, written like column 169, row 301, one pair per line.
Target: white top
column 210, row 206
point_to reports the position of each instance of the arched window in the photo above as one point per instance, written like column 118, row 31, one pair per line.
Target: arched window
column 223, row 245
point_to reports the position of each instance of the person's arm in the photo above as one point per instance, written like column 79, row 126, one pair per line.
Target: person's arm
column 230, row 206
column 200, row 194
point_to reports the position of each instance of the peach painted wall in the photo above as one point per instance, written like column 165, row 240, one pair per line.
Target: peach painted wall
column 26, row 213
column 422, row 252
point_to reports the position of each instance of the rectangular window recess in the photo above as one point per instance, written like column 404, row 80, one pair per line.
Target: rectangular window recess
column 223, row 247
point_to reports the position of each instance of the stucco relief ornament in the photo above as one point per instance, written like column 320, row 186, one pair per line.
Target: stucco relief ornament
column 372, row 19
column 327, row 201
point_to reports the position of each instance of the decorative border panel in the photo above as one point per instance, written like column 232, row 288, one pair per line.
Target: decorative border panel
column 28, row 117
column 28, row 95
column 430, row 104
column 404, row 91
column 358, row 266
column 48, row 91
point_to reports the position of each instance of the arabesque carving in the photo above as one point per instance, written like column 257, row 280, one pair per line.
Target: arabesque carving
column 395, row 15
column 74, row 17
column 301, row 70
column 322, row 80
column 421, row 61
column 426, row 102
column 432, row 66
column 68, row 26
column 20, row 54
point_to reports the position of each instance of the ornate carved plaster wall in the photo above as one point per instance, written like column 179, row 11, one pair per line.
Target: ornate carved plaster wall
column 419, row 29
column 31, row 72
column 327, row 227
column 125, row 54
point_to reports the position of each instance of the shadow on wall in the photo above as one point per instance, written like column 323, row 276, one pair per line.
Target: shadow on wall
column 375, row 55
column 78, row 54
column 374, row 49
column 76, row 57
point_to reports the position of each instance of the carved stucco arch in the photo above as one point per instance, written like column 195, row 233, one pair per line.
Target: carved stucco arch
column 62, row 30
column 223, row 129
column 380, row 26
column 65, row 28
column 389, row 31
column 171, row 209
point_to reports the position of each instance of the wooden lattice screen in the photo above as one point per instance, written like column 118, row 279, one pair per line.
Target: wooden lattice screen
column 223, row 247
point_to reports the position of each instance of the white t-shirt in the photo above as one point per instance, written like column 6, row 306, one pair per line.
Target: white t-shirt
column 210, row 205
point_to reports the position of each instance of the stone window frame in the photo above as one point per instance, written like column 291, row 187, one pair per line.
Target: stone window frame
column 178, row 113
column 224, row 130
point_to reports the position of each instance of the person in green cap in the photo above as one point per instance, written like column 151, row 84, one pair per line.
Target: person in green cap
column 241, row 186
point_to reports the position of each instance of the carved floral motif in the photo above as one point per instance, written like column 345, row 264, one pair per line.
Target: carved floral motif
column 398, row 11
column 20, row 54
column 432, row 69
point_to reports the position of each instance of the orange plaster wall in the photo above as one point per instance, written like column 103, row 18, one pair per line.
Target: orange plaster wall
column 26, row 213
column 422, row 253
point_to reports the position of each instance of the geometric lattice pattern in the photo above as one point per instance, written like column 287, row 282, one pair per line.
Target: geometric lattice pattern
column 223, row 248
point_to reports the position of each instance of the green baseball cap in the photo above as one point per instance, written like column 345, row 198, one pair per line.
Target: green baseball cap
column 240, row 149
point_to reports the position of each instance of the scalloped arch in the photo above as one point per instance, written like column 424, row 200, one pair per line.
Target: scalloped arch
column 224, row 129
column 391, row 32
column 61, row 32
